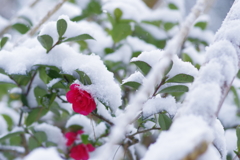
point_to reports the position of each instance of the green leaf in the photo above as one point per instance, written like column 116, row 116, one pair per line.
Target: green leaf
column 84, row 138
column 68, row 78
column 168, row 68
column 181, row 78
column 21, row 79
column 75, row 128
column 155, row 23
column 3, row 42
column 164, row 121
column 134, row 85
column 186, row 58
column 50, row 144
column 111, row 19
column 41, row 136
column 33, row 143
column 118, row 13
column 9, row 135
column 83, row 78
column 61, row 27
column 20, row 27
column 43, row 75
column 172, row 6
column 236, row 98
column 53, row 73
column 39, row 93
column 35, row 115
column 46, row 41
column 24, row 100
column 238, row 137
column 81, row 37
column 176, row 88
column 120, row 31
column 168, row 26
column 201, row 25
column 143, row 66
column 9, row 120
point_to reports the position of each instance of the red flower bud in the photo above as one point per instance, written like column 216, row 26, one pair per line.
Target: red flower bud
column 80, row 152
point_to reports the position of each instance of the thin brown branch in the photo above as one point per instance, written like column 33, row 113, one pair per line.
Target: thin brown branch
column 46, row 17
column 102, row 118
column 143, row 131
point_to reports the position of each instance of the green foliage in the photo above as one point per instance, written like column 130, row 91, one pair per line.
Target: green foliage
column 9, row 135
column 143, row 66
column 21, row 28
column 181, row 78
column 120, row 31
column 46, row 41
column 201, row 25
column 79, row 38
column 134, row 85
column 35, row 115
column 84, row 138
column 164, row 121
column 61, row 27
column 83, row 78
column 172, row 6
column 176, row 88
column 3, row 42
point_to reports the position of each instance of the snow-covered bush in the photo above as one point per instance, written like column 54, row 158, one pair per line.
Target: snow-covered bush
column 97, row 79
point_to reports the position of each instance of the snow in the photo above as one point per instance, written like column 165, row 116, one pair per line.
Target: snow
column 231, row 141
column 53, row 133
column 204, row 35
column 6, row 79
column 135, row 77
column 158, row 104
column 157, row 33
column 9, row 111
column 53, row 81
column 139, row 45
column 99, row 130
column 179, row 139
column 219, row 141
column 211, row 153
column 83, row 121
column 102, row 111
column 180, row 67
column 197, row 57
column 43, row 153
column 16, row 129
column 151, row 57
column 4, row 126
column 123, row 54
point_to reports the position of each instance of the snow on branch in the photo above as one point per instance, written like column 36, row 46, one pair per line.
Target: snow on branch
column 153, row 79
column 205, row 98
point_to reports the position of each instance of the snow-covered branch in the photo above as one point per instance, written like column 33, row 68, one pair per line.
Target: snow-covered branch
column 204, row 100
column 153, row 79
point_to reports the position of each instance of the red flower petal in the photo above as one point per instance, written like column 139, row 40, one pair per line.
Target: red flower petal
column 79, row 152
column 71, row 96
column 90, row 147
column 71, row 137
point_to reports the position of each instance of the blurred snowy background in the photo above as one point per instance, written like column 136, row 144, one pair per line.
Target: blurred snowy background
column 217, row 12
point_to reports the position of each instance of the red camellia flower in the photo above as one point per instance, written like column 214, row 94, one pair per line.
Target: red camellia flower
column 82, row 101
column 80, row 152
column 72, row 136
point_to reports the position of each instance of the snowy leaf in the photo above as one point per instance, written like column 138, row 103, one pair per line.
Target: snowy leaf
column 37, row 140
column 143, row 66
column 61, row 27
column 46, row 41
column 164, row 121
column 186, row 58
column 81, row 37
column 20, row 27
column 120, row 31
column 134, row 85
column 42, row 74
column 3, row 42
column 176, row 88
column 118, row 13
column 201, row 25
column 172, row 6
column 9, row 120
column 11, row 134
column 35, row 115
column 181, row 78
column 83, row 77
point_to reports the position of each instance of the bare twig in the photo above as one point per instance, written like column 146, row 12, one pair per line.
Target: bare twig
column 102, row 118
